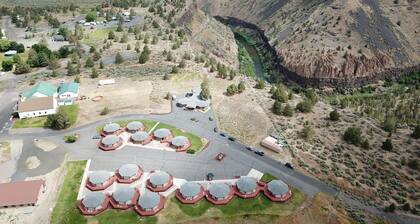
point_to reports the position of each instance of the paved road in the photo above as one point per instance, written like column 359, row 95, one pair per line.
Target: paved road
column 191, row 167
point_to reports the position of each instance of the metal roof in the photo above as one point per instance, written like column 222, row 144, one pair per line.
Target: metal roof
column 43, row 88
column 123, row 193
column 246, row 184
column 202, row 103
column 277, row 187
column 159, row 178
column 179, row 141
column 68, row 87
column 99, row 177
column 140, row 136
column 111, row 127
column 134, row 125
column 184, row 101
column 191, row 104
column 149, row 200
column 162, row 133
column 94, row 199
column 219, row 190
column 128, row 170
column 190, row 189
column 28, row 192
column 110, row 139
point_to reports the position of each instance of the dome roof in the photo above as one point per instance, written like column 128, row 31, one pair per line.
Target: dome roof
column 110, row 140
column 159, row 178
column 123, row 193
column 180, row 141
column 246, row 184
column 128, row 170
column 191, row 104
column 94, row 199
column 111, row 127
column 99, row 177
column 190, row 189
column 134, row 125
column 202, row 103
column 140, row 136
column 149, row 200
column 219, row 190
column 277, row 187
column 162, row 133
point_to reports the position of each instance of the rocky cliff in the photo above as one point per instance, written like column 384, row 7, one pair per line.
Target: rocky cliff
column 333, row 40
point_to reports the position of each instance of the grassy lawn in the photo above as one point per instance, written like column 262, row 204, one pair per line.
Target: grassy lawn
column 38, row 122
column 148, row 124
column 196, row 142
column 112, row 216
column 267, row 177
column 65, row 210
column 97, row 36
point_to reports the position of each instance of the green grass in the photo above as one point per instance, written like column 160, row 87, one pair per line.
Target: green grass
column 36, row 122
column 194, row 210
column 97, row 36
column 148, row 124
column 196, row 142
column 267, row 177
column 117, row 216
column 246, row 65
column 65, row 210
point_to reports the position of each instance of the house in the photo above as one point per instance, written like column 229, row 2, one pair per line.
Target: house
column 58, row 38
column 37, row 107
column 272, row 143
column 67, row 93
column 42, row 89
column 20, row 193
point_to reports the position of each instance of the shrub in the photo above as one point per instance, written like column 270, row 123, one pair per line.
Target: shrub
column 174, row 69
column 305, row 106
column 277, row 108
column 353, row 135
column 416, row 132
column 389, row 124
column 190, row 151
column 57, row 121
column 241, row 87
column 280, row 95
column 70, row 138
column 288, row 111
column 205, row 90
column 312, row 96
column 105, row 111
column 413, row 164
column 89, row 63
column 307, row 132
column 387, row 145
column 22, row 68
column 406, row 207
column 390, row 208
column 260, row 84
column 365, row 144
column 231, row 90
column 94, row 74
column 118, row 58
column 334, row 115
column 7, row 65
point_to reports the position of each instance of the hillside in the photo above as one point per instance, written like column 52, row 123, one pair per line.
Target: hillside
column 334, row 41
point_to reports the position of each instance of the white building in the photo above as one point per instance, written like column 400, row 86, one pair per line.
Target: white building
column 104, row 82
column 67, row 93
column 272, row 144
column 37, row 107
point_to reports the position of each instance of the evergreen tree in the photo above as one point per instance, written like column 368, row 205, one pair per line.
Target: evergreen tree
column 288, row 111
column 89, row 62
column 118, row 58
column 277, row 107
column 94, row 74
column 334, row 115
column 387, row 145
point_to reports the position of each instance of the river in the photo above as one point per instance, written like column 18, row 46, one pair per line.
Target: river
column 258, row 67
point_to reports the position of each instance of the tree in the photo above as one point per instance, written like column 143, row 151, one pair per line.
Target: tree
column 111, row 35
column 119, row 28
column 334, row 115
column 144, row 56
column 205, row 90
column 231, row 90
column 174, row 69
column 71, row 70
column 53, row 63
column 288, row 111
column 94, row 73
column 7, row 65
column 365, row 144
column 105, row 111
column 77, row 79
column 307, row 132
column 280, row 95
column 91, row 16
column 260, row 84
column 22, row 68
column 64, row 52
column 57, row 121
column 305, row 106
column 413, row 164
column 312, row 96
column 416, row 132
column 390, row 208
column 124, row 38
column 92, row 49
column 389, row 124
column 387, row 145
column 277, row 107
column 406, row 206
column 101, row 65
column 353, row 135
column 118, row 58
column 241, row 87
column 96, row 56
column 182, row 64
column 89, row 62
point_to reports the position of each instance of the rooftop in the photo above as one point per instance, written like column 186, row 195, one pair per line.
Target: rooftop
column 111, row 127
column 162, row 133
column 20, row 192
column 110, row 139
column 159, row 178
column 94, row 199
column 123, row 193
column 190, row 189
column 246, row 184
column 180, row 141
column 149, row 200
column 43, row 88
column 134, row 125
column 99, row 177
column 128, row 170
column 219, row 190
column 35, row 104
column 140, row 136
column 277, row 187
column 68, row 87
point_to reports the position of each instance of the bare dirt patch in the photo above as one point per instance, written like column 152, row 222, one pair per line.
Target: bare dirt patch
column 32, row 163
column 45, row 145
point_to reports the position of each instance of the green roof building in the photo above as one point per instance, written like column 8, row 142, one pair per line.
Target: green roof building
column 68, row 87
column 42, row 89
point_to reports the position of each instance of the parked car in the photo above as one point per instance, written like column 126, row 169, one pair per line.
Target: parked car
column 220, row 156
column 248, row 148
column 260, row 153
column 215, row 130
column 96, row 137
column 289, row 165
column 232, row 139
column 210, row 176
column 211, row 118
column 222, row 134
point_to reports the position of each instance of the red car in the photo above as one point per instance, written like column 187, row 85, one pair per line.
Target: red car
column 220, row 156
